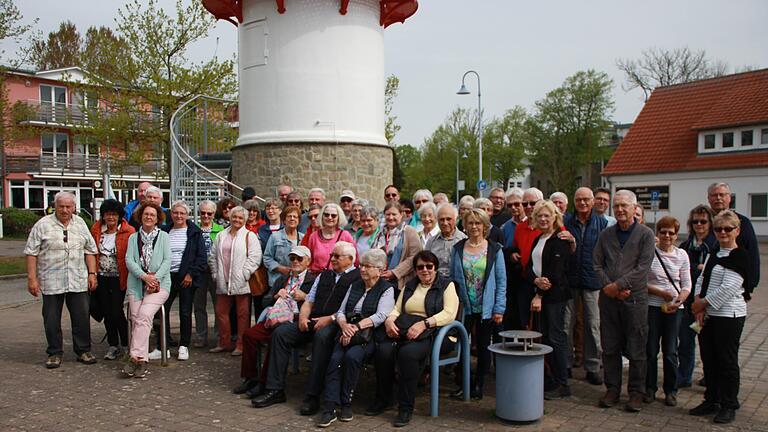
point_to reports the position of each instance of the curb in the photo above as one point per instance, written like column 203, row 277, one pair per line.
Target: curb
column 13, row 276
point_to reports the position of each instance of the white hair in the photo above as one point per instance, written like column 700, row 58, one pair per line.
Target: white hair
column 239, row 209
column 374, row 257
column 206, row 203
column 535, row 192
column 482, row 202
column 346, row 248
column 153, row 190
column 63, row 195
column 454, row 210
column 180, row 203
column 466, row 200
column 317, row 190
column 423, row 193
column 515, row 191
column 626, row 194
column 360, row 202
column 342, row 218
column 718, row 185
column 560, row 195
column 441, row 196
column 429, row 205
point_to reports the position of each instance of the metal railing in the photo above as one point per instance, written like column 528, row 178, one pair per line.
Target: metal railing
column 83, row 164
column 202, row 125
column 72, row 115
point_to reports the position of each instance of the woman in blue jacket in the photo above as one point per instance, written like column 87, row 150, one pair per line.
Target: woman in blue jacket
column 477, row 267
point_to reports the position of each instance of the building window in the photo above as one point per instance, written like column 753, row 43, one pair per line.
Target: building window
column 17, row 197
column 709, row 141
column 57, row 143
column 728, row 140
column 764, row 136
column 758, row 205
column 746, row 138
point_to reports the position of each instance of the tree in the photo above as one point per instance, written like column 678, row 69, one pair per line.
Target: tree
column 407, row 157
column 660, row 67
column 60, row 50
column 390, row 93
column 568, row 126
column 504, row 141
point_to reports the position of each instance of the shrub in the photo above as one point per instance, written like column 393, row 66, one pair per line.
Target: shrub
column 18, row 222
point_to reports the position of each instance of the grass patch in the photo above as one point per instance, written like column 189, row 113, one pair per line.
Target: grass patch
column 13, row 265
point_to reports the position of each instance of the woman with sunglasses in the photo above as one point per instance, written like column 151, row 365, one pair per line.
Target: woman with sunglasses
column 280, row 244
column 477, row 267
column 669, row 284
column 313, row 222
column 701, row 242
column 209, row 229
column 401, row 243
column 322, row 241
column 433, row 302
column 223, row 208
column 720, row 308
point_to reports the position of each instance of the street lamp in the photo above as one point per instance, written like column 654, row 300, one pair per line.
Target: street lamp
column 463, row 91
column 458, row 153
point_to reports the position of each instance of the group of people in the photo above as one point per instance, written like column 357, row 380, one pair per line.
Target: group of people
column 368, row 285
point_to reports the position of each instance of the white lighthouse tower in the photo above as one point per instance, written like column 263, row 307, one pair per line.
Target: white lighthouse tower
column 312, row 93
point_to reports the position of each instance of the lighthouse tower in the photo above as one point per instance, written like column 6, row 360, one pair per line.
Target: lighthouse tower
column 312, row 93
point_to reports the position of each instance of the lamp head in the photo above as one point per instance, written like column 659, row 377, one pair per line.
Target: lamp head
column 463, row 90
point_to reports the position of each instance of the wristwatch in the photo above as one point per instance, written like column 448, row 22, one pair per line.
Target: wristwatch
column 333, row 317
column 426, row 322
column 358, row 326
column 91, row 273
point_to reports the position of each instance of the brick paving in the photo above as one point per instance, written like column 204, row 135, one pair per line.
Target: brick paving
column 195, row 395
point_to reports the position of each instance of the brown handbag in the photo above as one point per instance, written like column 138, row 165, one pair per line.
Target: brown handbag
column 258, row 282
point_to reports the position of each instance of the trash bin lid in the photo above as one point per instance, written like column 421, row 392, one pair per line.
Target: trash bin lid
column 519, row 349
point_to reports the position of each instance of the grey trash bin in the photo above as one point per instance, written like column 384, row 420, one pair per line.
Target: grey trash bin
column 519, row 376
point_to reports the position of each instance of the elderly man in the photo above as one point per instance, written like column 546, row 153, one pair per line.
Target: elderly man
column 602, row 202
column 622, row 260
column 498, row 199
column 345, row 202
column 282, row 193
column 514, row 204
column 391, row 193
column 61, row 265
column 317, row 324
column 440, row 198
column 561, row 201
column 442, row 244
column 131, row 206
column 719, row 197
column 585, row 226
column 316, row 196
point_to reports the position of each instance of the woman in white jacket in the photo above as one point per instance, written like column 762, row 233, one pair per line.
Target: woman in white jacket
column 234, row 256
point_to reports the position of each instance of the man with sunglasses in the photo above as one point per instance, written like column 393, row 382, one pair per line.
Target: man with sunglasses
column 345, row 202
column 391, row 194
column 519, row 255
column 719, row 197
column 316, row 324
column 61, row 265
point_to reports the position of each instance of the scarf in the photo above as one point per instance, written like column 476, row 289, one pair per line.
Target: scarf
column 737, row 261
column 147, row 241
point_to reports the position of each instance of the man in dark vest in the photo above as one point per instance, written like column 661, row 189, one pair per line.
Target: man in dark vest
column 317, row 323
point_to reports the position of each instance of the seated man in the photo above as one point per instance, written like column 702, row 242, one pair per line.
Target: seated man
column 295, row 285
column 317, row 324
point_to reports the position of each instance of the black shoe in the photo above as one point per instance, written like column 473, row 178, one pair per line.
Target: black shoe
column 670, row 400
column 725, row 415
column 403, row 418
column 476, row 393
column 309, row 406
column 594, row 378
column 254, row 392
column 635, row 403
column 561, row 392
column 269, row 398
column 377, row 408
column 457, row 394
column 244, row 386
column 649, row 397
column 570, row 373
column 326, row 419
column 704, row 408
column 346, row 414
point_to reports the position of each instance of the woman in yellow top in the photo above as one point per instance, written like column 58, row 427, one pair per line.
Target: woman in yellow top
column 427, row 303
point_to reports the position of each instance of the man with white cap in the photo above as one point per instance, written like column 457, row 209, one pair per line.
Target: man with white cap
column 345, row 202
column 295, row 285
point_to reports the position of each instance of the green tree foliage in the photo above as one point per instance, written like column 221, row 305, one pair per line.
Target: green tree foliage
column 11, row 27
column 504, row 141
column 568, row 126
column 61, row 49
column 390, row 93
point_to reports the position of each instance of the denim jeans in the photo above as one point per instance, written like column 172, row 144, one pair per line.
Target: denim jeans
column 664, row 328
column 686, row 350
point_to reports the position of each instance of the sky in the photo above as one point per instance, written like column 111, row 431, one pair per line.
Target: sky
column 520, row 49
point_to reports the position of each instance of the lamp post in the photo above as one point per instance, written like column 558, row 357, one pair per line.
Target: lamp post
column 458, row 189
column 463, row 91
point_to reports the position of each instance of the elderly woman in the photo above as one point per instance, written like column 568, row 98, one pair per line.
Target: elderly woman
column 209, row 229
column 428, row 216
column 322, row 241
column 400, row 242
column 111, row 234
column 365, row 237
column 427, row 302
column 254, row 221
column 223, row 208
column 494, row 234
column 466, row 203
column 188, row 261
column 669, row 284
column 363, row 310
column 701, row 242
column 273, row 207
column 149, row 282
column 477, row 267
column 547, row 270
column 280, row 244
column 720, row 308
column 313, row 216
column 357, row 206
column 235, row 255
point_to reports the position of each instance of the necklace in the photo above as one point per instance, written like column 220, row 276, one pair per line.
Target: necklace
column 475, row 245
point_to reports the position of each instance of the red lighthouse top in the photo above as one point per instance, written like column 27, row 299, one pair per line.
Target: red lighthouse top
column 392, row 11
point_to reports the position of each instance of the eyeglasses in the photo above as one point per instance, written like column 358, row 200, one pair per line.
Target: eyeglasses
column 514, row 204
column 346, row 200
column 330, row 215
column 425, row 266
column 407, row 211
column 699, row 222
column 293, row 200
column 293, row 258
column 420, row 201
column 66, row 236
column 529, row 203
column 719, row 229
column 202, row 213
column 312, row 216
column 390, row 195
column 667, row 233
column 369, row 266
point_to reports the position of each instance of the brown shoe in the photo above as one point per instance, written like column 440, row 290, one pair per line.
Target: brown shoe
column 635, row 403
column 608, row 400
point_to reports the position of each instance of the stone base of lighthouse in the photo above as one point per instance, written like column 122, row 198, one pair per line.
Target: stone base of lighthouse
column 364, row 169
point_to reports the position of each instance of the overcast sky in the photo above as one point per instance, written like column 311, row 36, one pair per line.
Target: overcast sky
column 521, row 49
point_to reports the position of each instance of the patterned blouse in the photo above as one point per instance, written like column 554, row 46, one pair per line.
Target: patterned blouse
column 474, row 270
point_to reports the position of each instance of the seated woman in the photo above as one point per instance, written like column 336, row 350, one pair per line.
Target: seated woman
column 295, row 285
column 547, row 270
column 366, row 306
column 430, row 302
column 149, row 282
column 720, row 308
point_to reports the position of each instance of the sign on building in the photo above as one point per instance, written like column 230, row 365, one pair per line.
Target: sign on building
column 648, row 196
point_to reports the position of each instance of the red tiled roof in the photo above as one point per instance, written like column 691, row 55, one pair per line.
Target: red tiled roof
column 664, row 137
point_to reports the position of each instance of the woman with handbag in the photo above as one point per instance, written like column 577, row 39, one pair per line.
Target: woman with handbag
column 234, row 257
column 149, row 282
column 322, row 241
column 669, row 284
column 282, row 304
column 363, row 310
column 426, row 303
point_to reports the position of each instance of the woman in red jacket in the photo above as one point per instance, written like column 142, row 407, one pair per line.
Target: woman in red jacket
column 111, row 233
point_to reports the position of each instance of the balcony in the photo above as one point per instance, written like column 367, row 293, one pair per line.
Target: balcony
column 35, row 112
column 83, row 165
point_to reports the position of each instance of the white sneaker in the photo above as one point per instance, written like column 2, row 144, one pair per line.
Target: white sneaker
column 157, row 354
column 183, row 353
column 112, row 353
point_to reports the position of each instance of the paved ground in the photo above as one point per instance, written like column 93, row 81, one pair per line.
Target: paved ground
column 195, row 395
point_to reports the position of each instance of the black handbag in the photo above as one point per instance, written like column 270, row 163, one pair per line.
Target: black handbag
column 405, row 321
column 363, row 336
